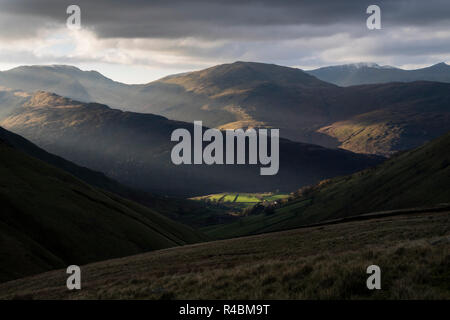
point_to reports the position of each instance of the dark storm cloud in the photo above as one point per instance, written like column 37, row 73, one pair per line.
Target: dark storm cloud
column 218, row 19
column 192, row 34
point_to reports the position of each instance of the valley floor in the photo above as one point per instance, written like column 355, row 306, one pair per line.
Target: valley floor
column 323, row 262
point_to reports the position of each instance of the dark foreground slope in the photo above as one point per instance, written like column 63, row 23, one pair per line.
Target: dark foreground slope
column 50, row 219
column 420, row 177
column 328, row 262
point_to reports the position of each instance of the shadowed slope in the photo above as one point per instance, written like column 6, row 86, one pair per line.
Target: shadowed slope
column 50, row 220
column 135, row 149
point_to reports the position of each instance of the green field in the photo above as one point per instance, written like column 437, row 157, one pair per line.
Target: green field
column 241, row 199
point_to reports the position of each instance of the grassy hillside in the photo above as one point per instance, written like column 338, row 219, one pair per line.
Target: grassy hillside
column 401, row 127
column 50, row 219
column 91, row 177
column 327, row 262
column 420, row 177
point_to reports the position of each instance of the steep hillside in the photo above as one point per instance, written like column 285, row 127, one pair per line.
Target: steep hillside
column 357, row 74
column 326, row 262
column 134, row 149
column 416, row 178
column 188, row 212
column 50, row 219
column 91, row 177
column 386, row 132
column 403, row 125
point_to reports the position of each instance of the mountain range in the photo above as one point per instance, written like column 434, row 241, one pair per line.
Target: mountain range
column 134, row 149
column 247, row 94
column 370, row 73
column 67, row 81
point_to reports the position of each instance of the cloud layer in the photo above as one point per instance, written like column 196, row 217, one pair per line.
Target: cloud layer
column 171, row 36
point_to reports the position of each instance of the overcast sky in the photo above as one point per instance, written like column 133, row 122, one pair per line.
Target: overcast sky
column 139, row 41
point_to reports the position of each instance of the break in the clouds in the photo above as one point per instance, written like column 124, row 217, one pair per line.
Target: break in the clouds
column 154, row 38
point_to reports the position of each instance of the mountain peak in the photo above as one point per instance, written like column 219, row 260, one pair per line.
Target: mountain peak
column 64, row 67
column 48, row 99
column 244, row 75
column 440, row 65
column 55, row 67
column 369, row 73
column 48, row 71
column 361, row 65
column 364, row 64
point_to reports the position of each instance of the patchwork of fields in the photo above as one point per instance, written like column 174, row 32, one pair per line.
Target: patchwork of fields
column 241, row 200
